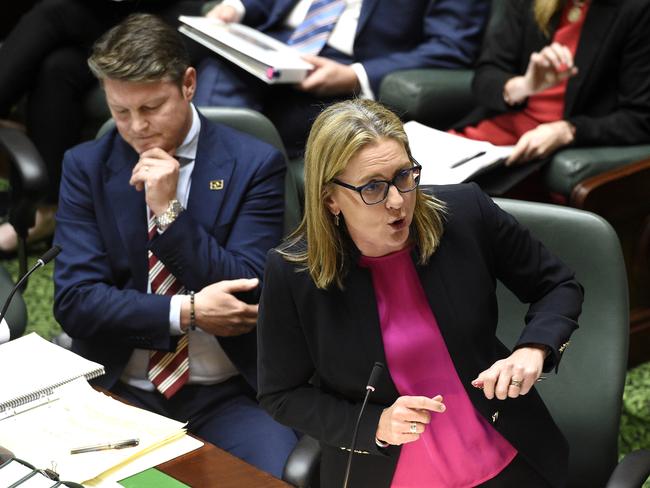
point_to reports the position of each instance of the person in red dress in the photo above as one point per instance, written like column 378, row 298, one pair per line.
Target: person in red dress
column 555, row 73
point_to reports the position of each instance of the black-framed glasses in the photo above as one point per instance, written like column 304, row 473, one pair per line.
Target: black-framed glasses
column 376, row 191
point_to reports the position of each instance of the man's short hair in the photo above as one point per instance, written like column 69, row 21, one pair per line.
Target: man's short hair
column 142, row 48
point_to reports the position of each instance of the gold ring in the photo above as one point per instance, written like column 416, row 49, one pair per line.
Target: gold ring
column 516, row 383
column 414, row 428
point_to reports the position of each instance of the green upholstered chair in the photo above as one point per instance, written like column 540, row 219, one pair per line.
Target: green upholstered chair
column 256, row 124
column 585, row 398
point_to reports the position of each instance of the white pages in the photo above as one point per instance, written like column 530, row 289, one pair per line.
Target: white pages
column 447, row 158
column 261, row 55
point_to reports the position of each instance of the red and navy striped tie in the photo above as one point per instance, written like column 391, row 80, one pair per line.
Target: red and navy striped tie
column 168, row 371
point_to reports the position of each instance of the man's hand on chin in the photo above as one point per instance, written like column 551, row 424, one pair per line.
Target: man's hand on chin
column 157, row 173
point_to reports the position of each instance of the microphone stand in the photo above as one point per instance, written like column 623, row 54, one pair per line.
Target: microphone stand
column 374, row 376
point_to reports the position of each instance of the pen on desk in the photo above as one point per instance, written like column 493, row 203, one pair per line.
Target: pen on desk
column 107, row 445
column 467, row 159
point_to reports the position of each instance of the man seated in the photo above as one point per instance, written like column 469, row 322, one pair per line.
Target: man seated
column 166, row 205
column 352, row 44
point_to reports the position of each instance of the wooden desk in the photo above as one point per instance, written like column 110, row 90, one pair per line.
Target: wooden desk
column 210, row 466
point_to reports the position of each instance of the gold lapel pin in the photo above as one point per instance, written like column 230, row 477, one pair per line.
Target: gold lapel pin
column 216, row 185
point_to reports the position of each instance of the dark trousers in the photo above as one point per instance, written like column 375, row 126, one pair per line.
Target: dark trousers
column 45, row 55
column 226, row 415
column 223, row 84
column 517, row 474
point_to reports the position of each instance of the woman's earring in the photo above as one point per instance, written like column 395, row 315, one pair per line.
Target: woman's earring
column 336, row 220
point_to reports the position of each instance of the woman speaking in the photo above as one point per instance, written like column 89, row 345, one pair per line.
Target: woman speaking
column 380, row 271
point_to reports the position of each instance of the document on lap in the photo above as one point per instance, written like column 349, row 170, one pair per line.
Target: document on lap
column 448, row 158
column 262, row 56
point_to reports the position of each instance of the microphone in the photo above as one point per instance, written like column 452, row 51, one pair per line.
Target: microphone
column 370, row 387
column 42, row 261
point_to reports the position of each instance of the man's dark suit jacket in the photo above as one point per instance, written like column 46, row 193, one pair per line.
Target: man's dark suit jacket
column 234, row 215
column 397, row 34
column 317, row 347
column 608, row 101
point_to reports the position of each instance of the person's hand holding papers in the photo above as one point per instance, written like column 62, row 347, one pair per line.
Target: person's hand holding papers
column 329, row 78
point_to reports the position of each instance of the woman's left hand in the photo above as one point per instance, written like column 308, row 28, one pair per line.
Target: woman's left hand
column 514, row 375
column 541, row 141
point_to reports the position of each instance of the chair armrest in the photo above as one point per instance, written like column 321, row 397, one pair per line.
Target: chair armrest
column 632, row 471
column 435, row 97
column 621, row 190
column 28, row 168
column 303, row 464
column 571, row 166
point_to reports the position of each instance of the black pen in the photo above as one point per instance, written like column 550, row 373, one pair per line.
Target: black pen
column 468, row 158
column 107, row 445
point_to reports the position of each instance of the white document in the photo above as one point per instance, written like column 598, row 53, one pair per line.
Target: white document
column 262, row 56
column 4, row 331
column 81, row 416
column 447, row 158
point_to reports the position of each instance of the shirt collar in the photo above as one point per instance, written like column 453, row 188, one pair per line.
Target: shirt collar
column 188, row 147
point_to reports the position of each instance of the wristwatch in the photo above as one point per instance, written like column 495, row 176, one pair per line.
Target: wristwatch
column 165, row 219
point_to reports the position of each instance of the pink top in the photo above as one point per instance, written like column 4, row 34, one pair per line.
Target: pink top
column 459, row 448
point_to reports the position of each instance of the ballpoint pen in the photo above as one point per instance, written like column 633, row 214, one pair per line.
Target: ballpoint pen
column 107, row 445
column 467, row 159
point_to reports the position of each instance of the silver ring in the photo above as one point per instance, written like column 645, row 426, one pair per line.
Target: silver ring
column 414, row 428
column 516, row 383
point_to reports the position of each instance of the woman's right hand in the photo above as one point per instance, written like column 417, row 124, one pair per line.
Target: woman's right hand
column 395, row 421
column 546, row 68
column 225, row 13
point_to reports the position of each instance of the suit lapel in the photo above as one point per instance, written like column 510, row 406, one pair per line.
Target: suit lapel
column 599, row 17
column 367, row 6
column 129, row 209
column 211, row 177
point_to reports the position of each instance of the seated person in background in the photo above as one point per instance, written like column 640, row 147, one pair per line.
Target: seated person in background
column 353, row 44
column 380, row 271
column 166, row 204
column 44, row 57
column 554, row 74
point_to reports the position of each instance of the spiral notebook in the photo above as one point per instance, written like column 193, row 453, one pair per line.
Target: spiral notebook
column 31, row 370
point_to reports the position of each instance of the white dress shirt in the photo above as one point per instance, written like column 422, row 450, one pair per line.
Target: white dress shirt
column 341, row 38
column 209, row 364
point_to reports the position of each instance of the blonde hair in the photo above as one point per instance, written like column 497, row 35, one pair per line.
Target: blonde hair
column 544, row 12
column 338, row 133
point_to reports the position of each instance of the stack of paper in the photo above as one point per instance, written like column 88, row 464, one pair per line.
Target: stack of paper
column 448, row 158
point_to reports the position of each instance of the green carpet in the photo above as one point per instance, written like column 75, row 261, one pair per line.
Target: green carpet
column 635, row 421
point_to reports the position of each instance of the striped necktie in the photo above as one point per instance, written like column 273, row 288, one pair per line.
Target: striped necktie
column 312, row 33
column 168, row 371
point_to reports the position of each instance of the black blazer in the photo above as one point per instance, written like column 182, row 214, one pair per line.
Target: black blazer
column 608, row 101
column 317, row 347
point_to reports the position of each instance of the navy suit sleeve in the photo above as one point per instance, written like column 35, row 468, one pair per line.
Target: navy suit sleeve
column 199, row 258
column 87, row 303
column 451, row 38
column 535, row 276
